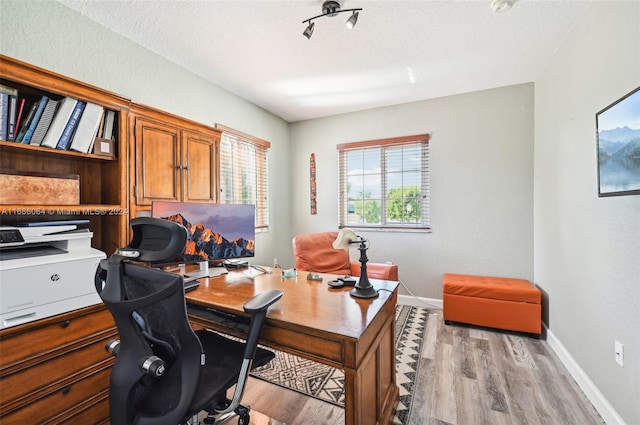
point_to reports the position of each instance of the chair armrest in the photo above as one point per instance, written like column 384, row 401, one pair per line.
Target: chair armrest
column 380, row 271
column 257, row 307
column 262, row 301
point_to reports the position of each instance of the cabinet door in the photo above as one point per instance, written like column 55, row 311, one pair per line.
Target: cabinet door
column 158, row 163
column 199, row 161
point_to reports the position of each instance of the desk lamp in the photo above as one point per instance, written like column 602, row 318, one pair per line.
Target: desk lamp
column 346, row 237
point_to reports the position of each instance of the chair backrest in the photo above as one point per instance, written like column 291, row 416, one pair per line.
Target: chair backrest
column 156, row 239
column 148, row 306
column 314, row 252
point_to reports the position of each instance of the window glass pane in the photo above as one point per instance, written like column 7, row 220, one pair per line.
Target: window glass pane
column 243, row 175
column 372, row 211
column 364, row 178
column 371, row 161
column 365, row 211
column 385, row 184
column 226, row 177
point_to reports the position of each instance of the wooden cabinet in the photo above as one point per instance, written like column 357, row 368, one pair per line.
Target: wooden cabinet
column 57, row 369
column 158, row 162
column 199, row 175
column 173, row 159
column 103, row 187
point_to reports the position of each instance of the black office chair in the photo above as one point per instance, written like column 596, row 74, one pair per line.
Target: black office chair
column 165, row 373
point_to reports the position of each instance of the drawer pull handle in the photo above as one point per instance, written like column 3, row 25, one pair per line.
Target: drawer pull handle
column 65, row 324
column 66, row 390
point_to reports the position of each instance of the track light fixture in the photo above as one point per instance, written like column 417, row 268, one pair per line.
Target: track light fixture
column 332, row 8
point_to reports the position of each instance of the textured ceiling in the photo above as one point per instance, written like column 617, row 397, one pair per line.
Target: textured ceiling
column 399, row 51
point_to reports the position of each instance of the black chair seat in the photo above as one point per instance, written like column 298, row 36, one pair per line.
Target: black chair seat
column 221, row 369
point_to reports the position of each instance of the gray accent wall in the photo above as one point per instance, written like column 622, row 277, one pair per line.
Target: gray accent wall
column 481, row 151
column 587, row 249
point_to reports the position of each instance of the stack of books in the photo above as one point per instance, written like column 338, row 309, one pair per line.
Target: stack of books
column 66, row 123
column 8, row 112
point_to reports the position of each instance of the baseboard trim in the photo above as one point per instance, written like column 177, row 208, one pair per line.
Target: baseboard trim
column 419, row 301
column 601, row 404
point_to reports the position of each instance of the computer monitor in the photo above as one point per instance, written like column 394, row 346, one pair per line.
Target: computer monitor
column 216, row 232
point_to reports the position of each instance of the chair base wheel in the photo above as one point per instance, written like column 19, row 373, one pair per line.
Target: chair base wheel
column 243, row 415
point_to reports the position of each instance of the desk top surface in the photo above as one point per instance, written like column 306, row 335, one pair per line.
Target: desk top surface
column 304, row 304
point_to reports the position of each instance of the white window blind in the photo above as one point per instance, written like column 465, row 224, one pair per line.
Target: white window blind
column 384, row 183
column 243, row 172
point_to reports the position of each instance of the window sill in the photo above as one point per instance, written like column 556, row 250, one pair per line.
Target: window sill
column 389, row 229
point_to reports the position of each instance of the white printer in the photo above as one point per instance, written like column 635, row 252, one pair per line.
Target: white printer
column 45, row 271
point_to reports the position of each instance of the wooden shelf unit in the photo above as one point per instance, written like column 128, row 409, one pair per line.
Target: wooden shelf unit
column 103, row 180
column 55, row 370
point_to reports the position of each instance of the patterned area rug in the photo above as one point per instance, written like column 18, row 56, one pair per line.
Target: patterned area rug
column 327, row 384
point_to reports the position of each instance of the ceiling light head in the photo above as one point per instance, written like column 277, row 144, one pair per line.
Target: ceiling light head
column 309, row 30
column 351, row 22
column 501, row 6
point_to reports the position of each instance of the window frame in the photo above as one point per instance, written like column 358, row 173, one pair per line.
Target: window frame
column 262, row 173
column 383, row 145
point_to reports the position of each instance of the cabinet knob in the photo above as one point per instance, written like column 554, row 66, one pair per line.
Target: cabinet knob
column 66, row 390
column 178, row 167
column 65, row 324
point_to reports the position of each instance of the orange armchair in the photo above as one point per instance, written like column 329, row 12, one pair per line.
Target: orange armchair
column 314, row 253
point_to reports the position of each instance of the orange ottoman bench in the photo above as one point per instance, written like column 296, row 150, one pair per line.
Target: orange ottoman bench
column 495, row 302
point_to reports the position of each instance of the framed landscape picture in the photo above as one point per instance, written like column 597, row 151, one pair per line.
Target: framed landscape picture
column 618, row 136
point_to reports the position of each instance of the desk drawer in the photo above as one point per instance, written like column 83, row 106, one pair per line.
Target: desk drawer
column 55, row 373
column 58, row 402
column 28, row 343
column 93, row 412
column 321, row 348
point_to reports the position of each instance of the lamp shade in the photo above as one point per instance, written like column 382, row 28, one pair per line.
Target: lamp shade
column 345, row 237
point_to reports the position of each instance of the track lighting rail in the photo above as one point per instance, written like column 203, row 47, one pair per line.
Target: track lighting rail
column 332, row 13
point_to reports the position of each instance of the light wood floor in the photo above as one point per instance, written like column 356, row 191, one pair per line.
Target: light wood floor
column 467, row 376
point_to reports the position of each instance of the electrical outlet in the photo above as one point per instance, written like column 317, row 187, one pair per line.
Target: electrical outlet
column 619, row 353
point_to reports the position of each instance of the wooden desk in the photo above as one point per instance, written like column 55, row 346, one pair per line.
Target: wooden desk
column 325, row 325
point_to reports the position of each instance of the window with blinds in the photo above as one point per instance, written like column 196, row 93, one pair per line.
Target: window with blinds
column 385, row 183
column 243, row 172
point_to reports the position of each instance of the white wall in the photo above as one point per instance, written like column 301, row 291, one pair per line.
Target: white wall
column 49, row 35
column 587, row 249
column 481, row 183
